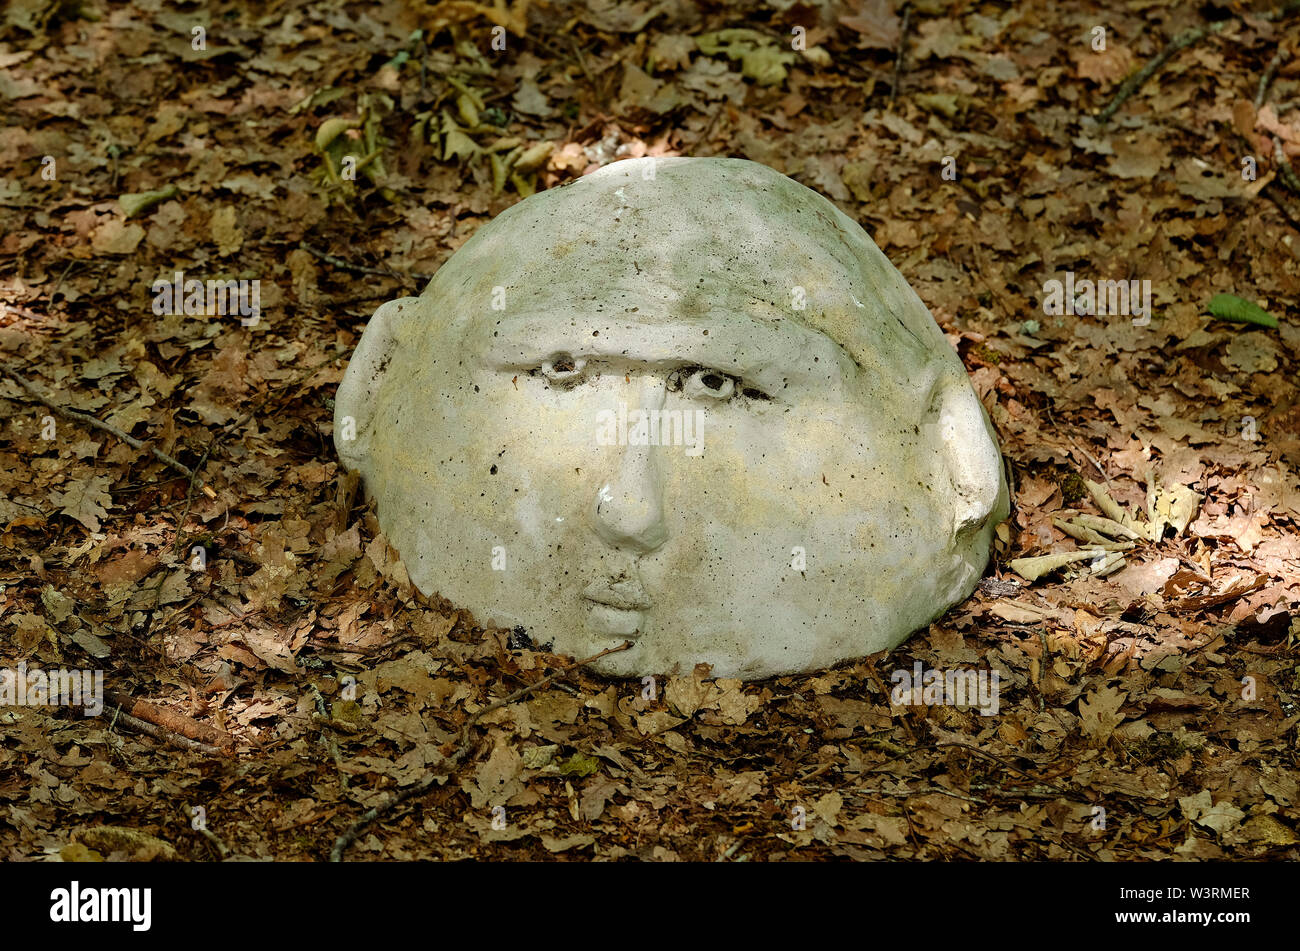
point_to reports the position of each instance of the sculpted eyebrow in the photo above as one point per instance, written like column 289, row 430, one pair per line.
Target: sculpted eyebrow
column 772, row 356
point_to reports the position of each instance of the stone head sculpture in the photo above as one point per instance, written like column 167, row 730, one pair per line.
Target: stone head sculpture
column 682, row 402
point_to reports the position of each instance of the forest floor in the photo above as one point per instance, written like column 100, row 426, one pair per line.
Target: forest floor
column 1146, row 713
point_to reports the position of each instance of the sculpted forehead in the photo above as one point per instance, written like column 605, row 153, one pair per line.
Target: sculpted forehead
column 681, row 245
column 726, row 238
column 785, row 360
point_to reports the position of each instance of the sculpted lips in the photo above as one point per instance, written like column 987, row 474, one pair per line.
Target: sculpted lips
column 616, row 607
column 624, row 594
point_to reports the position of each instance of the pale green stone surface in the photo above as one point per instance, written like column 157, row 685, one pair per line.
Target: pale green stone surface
column 844, row 433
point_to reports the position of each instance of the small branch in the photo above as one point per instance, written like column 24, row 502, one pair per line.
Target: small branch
column 1089, row 456
column 1008, row 765
column 853, row 791
column 708, row 130
column 1269, row 190
column 86, row 419
column 59, row 282
column 1135, row 81
column 1266, row 80
column 1180, row 42
column 359, row 268
column 173, row 722
column 582, row 64
column 1042, row 669
column 449, row 766
column 189, row 497
column 163, row 735
column 215, row 840
column 1285, row 171
column 1062, row 840
column 899, row 54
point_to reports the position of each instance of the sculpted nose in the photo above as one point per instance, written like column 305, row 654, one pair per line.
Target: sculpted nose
column 628, row 511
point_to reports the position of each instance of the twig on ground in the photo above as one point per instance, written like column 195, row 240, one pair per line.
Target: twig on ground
column 1042, row 670
column 1270, row 192
column 59, row 283
column 447, row 767
column 325, row 720
column 163, row 735
column 1005, row 763
column 582, row 64
column 216, row 842
column 77, row 416
column 911, row 828
column 189, row 497
column 899, row 54
column 361, row 268
column 1061, row 840
column 319, row 700
column 1091, row 458
column 851, row 792
column 1135, row 81
column 1270, row 71
column 1012, row 792
column 907, row 793
column 708, row 130
column 1285, row 172
column 173, row 722
column 330, row 723
column 1284, row 169
column 876, row 679
column 202, row 829
column 1181, row 42
column 824, row 767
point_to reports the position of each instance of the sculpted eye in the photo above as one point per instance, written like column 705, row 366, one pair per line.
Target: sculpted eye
column 562, row 368
column 709, row 384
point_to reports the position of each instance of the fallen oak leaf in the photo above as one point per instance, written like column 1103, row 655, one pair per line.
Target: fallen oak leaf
column 876, row 25
column 1202, row 810
column 86, row 500
column 1099, row 711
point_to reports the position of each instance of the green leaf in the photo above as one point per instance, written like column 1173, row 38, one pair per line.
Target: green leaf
column 1230, row 307
column 134, row 203
column 578, row 765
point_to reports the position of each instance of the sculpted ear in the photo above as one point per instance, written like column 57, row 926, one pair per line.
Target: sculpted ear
column 355, row 401
column 969, row 448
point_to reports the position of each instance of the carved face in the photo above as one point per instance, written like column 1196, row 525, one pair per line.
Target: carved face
column 682, row 402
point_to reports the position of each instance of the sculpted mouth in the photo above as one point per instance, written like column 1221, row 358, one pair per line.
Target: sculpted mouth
column 624, row 594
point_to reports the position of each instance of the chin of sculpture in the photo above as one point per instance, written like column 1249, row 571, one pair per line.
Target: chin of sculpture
column 685, row 403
